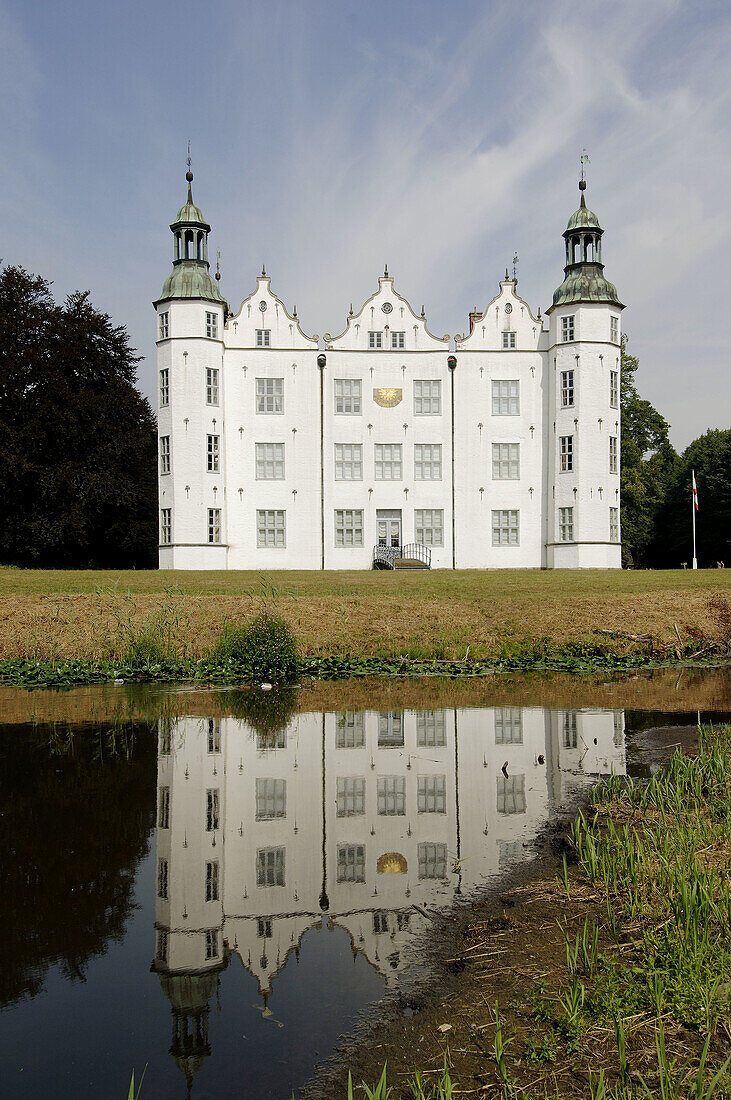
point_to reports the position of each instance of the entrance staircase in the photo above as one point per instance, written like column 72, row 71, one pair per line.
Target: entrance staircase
column 413, row 555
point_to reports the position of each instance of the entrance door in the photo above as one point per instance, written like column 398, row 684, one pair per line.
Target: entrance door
column 388, row 526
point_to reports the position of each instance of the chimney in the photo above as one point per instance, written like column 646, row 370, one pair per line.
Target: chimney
column 475, row 316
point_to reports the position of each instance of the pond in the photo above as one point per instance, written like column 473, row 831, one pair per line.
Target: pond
column 216, row 884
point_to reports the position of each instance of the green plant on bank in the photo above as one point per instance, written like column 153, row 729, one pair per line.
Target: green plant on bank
column 162, row 636
column 265, row 648
column 417, row 1087
column 135, row 1094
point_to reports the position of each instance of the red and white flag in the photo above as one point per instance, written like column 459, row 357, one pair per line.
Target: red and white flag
column 695, row 490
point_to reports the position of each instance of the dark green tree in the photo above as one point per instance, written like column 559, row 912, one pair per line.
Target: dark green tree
column 648, row 460
column 710, row 457
column 77, row 439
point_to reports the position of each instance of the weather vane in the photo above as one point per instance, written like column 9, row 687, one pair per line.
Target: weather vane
column 218, row 265
column 188, row 161
column 584, row 160
column 515, row 267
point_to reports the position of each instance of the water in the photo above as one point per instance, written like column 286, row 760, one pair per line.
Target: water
column 215, row 885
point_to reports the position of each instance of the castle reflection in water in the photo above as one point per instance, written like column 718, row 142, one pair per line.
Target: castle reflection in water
column 362, row 819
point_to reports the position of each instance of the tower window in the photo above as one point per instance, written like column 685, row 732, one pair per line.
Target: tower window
column 567, row 389
column 614, row 524
column 509, row 341
column 212, row 880
column 212, row 943
column 263, row 337
column 506, row 461
column 614, row 388
column 505, row 398
column 567, row 328
column 212, row 326
column 212, row 810
column 166, row 526
column 613, row 455
column 164, row 325
column 614, row 329
column 375, row 339
column 566, row 524
column 212, row 454
column 164, row 454
column 163, row 808
column 398, row 339
column 164, row 387
column 161, row 952
column 567, row 453
column 505, row 527
column 162, row 878
column 348, row 396
column 211, row 385
column 214, row 525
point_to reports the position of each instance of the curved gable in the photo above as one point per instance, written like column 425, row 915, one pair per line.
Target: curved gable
column 507, row 312
column 388, row 314
column 262, row 311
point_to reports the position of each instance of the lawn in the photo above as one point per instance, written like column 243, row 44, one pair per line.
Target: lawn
column 440, row 614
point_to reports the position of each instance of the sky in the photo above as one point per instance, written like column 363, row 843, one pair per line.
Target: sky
column 330, row 138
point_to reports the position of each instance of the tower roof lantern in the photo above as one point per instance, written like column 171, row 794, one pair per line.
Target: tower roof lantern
column 583, row 218
column 189, row 213
column 584, row 279
column 190, row 277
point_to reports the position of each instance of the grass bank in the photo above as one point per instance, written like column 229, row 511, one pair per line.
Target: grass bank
column 356, row 623
column 612, row 981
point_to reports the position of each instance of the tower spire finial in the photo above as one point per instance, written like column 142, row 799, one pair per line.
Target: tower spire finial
column 189, row 174
column 584, row 159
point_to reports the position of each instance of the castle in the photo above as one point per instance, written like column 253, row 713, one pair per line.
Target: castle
column 388, row 446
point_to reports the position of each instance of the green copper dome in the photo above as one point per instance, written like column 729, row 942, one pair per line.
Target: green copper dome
column 584, row 271
column 583, row 218
column 586, row 285
column 191, row 279
column 190, row 213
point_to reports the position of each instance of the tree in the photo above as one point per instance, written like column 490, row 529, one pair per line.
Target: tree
column 648, row 460
column 77, row 440
column 710, row 457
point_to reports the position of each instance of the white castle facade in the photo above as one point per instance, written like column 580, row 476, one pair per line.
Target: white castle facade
column 387, row 445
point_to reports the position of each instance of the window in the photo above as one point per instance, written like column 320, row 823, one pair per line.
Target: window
column 348, row 527
column 566, row 525
column 163, row 808
column 429, row 526
column 388, row 461
column 164, row 741
column 264, row 928
column 430, row 731
column 212, row 810
column 375, row 339
column 212, row 326
column 211, row 385
column 398, row 339
column 567, row 328
column 505, row 461
column 351, row 796
column 427, row 462
column 505, row 398
column 214, row 735
column 614, row 389
column 263, row 337
column 391, row 795
column 427, row 397
column 505, row 529
column 613, row 455
column 162, row 878
column 511, row 794
column 431, row 795
column 349, row 731
column 270, row 867
column 212, row 464
column 161, row 951
column 390, row 729
column 212, row 943
column 212, row 880
column 270, row 528
column 274, row 739
column 508, row 340
column 164, row 325
column 380, row 922
column 614, row 329
column 614, row 524
column 269, row 461
column 403, row 921
column 270, row 395
column 214, row 525
column 508, row 726
column 567, row 388
column 164, row 454
column 567, row 453
column 348, row 461
column 166, row 526
column 351, row 863
column 348, row 396
column 432, row 860
column 164, row 387
column 271, row 799
column 570, row 730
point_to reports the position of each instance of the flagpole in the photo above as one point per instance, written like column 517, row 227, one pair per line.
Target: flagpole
column 692, row 508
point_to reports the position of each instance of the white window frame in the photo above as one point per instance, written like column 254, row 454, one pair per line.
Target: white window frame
column 271, row 528
column 568, row 328
column 214, row 526
column 349, row 730
column 350, row 796
column 388, row 461
column 566, row 454
column 164, row 387
column 212, row 880
column 391, row 796
column 567, row 389
column 213, row 454
column 427, row 462
column 348, row 461
column 211, row 943
column 614, row 389
column 271, row 798
column 263, row 337
column 269, row 461
column 350, row 865
column 348, row 527
column 613, row 454
column 391, row 729
column 214, row 736
column 164, row 329
column 348, row 396
column 211, row 326
column 432, row 860
column 506, row 397
column 270, row 396
column 163, row 808
column 427, row 397
column 506, row 462
column 211, row 385
column 213, row 810
column 509, row 340
column 162, row 879
column 429, row 526
column 166, row 526
column 398, row 340
column 505, row 527
column 614, row 524
column 271, row 866
column 164, row 454
column 566, row 524
column 508, row 726
column 431, row 729
column 375, row 339
column 613, row 329
column 431, row 794
column 511, row 794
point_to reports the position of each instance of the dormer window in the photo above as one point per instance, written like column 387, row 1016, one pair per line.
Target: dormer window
column 375, row 339
column 398, row 339
column 508, row 341
column 263, row 337
column 567, row 328
column 212, row 326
